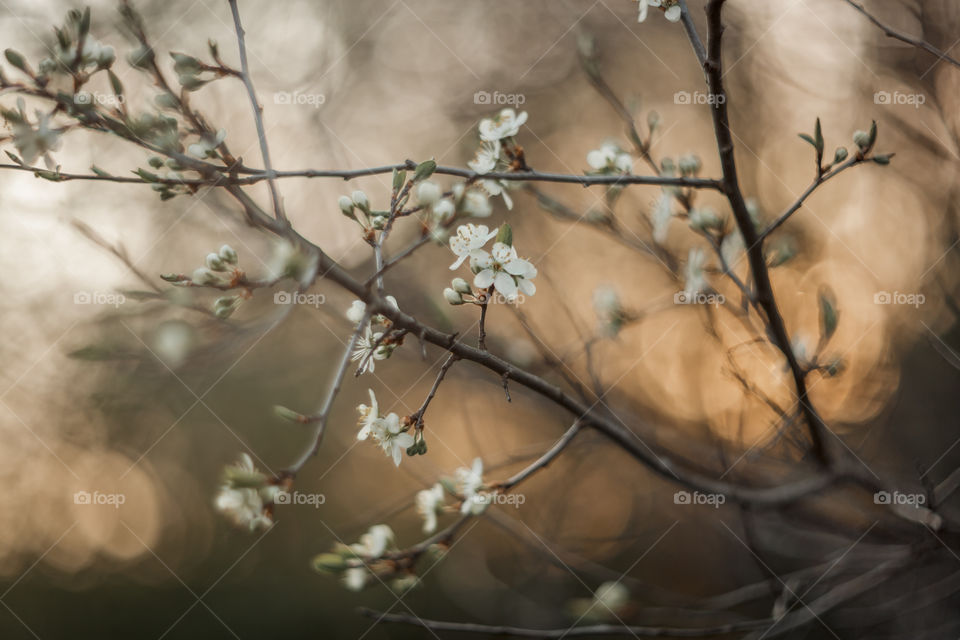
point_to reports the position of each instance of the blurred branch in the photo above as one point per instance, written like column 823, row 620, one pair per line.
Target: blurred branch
column 569, row 632
column 902, row 37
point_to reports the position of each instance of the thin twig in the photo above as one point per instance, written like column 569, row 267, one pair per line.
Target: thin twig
column 902, row 37
column 257, row 114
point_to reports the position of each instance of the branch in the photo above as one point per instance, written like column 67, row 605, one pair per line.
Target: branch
column 321, row 417
column 783, row 217
column 754, row 243
column 257, row 114
column 543, row 460
column 570, row 632
column 902, row 37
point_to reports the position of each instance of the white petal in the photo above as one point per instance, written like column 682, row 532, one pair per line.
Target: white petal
column 673, row 13
column 483, row 279
column 505, row 285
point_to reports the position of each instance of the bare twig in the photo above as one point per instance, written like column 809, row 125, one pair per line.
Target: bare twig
column 257, row 114
column 902, row 37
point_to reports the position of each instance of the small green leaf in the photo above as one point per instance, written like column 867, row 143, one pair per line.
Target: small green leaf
column 16, row 60
column 818, row 137
column 147, row 176
column 505, row 235
column 14, row 157
column 808, row 138
column 84, row 27
column 873, row 134
column 288, row 414
column 328, row 563
column 883, row 159
column 115, row 83
column 424, row 170
column 399, row 177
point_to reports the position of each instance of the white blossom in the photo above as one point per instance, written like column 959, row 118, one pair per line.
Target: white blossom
column 374, row 542
column 469, row 482
column 368, row 417
column 367, row 352
column 477, row 204
column 206, row 146
column 504, row 270
column 673, row 10
column 609, row 157
column 244, row 495
column 428, row 192
column 359, row 307
column 470, row 237
column 504, row 125
column 33, row 143
column 429, row 504
column 355, row 578
column 392, row 439
column 488, row 155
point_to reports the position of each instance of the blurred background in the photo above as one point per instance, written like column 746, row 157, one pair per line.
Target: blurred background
column 150, row 399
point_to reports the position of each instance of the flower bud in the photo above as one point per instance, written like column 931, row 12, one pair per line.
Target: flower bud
column 228, row 255
column 346, row 206
column 215, row 263
column 203, row 276
column 689, row 164
column 840, row 155
column 461, row 286
column 360, row 199
column 452, row 296
column 862, row 139
column 428, row 192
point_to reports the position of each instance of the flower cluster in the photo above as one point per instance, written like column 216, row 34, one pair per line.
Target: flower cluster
column 498, row 151
column 356, row 206
column 501, row 268
column 374, row 343
column 441, row 209
column 672, row 10
column 220, row 271
column 469, row 485
column 609, row 159
column 63, row 54
column 32, row 141
column 430, row 503
column 246, row 496
column 387, row 431
column 360, row 561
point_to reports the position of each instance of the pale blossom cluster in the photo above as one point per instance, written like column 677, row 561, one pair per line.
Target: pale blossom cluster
column 610, row 159
column 672, row 10
column 500, row 268
column 32, row 140
column 387, row 431
column 371, row 345
column 496, row 134
column 246, row 497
